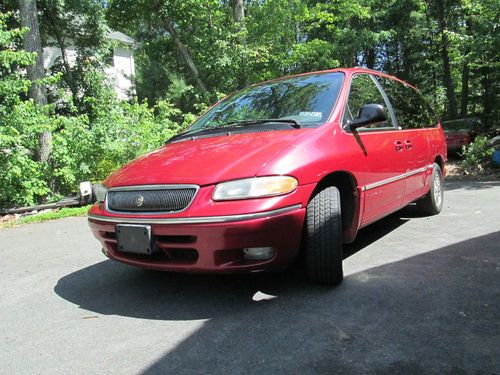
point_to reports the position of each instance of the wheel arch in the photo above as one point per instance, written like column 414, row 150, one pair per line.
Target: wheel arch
column 439, row 160
column 347, row 185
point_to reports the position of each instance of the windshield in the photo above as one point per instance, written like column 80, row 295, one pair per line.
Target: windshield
column 305, row 100
column 462, row 124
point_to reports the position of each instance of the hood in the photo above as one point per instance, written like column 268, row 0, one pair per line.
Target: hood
column 205, row 161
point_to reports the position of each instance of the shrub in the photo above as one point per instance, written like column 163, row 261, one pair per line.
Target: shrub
column 91, row 149
column 477, row 154
column 89, row 140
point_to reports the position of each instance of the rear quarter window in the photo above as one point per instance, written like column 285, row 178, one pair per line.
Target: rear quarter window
column 409, row 106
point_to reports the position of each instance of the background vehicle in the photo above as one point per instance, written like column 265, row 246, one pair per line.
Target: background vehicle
column 295, row 163
column 461, row 132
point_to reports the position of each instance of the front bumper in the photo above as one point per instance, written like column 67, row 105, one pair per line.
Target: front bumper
column 210, row 243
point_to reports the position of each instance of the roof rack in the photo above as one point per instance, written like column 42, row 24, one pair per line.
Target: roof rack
column 372, row 70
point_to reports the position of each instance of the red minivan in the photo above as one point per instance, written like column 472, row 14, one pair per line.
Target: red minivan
column 297, row 164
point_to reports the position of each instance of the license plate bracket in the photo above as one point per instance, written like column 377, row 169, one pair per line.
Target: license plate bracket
column 135, row 239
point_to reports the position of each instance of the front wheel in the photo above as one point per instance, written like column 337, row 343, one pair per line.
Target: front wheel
column 432, row 202
column 323, row 238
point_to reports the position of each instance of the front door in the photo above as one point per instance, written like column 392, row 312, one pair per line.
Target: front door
column 379, row 161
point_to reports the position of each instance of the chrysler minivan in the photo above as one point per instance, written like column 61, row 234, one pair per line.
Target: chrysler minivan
column 293, row 166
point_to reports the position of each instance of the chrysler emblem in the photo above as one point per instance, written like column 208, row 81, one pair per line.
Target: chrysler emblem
column 139, row 201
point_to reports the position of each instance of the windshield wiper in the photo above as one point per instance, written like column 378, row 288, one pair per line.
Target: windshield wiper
column 292, row 123
column 234, row 124
column 186, row 135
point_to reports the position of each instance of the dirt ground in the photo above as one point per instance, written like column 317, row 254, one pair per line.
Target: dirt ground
column 454, row 171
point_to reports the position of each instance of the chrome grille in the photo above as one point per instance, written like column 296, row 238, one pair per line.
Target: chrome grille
column 152, row 199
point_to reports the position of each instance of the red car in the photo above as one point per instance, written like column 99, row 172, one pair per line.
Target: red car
column 459, row 133
column 290, row 165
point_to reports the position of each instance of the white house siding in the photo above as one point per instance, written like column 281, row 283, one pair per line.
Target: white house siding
column 50, row 54
column 121, row 74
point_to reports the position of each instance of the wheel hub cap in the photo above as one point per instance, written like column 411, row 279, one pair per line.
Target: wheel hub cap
column 437, row 189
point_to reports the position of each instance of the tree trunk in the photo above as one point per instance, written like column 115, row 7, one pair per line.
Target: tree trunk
column 488, row 98
column 238, row 11
column 239, row 19
column 432, row 43
column 464, row 97
column 465, row 90
column 370, row 58
column 397, row 59
column 35, row 72
column 167, row 23
column 56, row 33
column 447, row 78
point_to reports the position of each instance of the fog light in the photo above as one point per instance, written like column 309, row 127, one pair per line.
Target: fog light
column 258, row 253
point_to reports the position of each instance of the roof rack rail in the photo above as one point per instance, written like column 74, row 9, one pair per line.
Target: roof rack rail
column 373, row 70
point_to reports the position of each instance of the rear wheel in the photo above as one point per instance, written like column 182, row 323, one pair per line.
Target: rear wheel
column 323, row 238
column 432, row 202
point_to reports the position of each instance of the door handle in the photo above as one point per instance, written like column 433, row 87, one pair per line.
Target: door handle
column 408, row 144
column 398, row 145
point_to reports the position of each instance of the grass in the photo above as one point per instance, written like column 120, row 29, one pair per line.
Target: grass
column 52, row 215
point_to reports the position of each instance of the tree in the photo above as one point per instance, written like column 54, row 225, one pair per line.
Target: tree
column 21, row 120
column 36, row 73
column 57, row 29
column 160, row 24
column 447, row 48
column 169, row 26
column 452, row 111
column 239, row 20
column 80, row 24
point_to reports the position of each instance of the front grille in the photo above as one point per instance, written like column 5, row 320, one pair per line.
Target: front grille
column 154, row 199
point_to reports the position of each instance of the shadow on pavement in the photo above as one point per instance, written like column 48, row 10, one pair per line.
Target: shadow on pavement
column 111, row 288
column 373, row 232
column 469, row 185
column 436, row 312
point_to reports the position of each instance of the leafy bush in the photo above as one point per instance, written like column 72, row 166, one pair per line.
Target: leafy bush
column 90, row 150
column 89, row 140
column 22, row 179
column 477, row 154
column 82, row 149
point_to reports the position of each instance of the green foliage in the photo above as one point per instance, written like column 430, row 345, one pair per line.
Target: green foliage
column 477, row 154
column 21, row 180
column 91, row 148
column 77, row 24
column 89, row 142
column 94, row 133
column 53, row 215
column 281, row 37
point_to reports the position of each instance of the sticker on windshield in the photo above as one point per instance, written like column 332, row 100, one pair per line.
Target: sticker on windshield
column 311, row 114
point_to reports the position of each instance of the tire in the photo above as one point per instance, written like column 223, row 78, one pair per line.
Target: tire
column 432, row 202
column 323, row 238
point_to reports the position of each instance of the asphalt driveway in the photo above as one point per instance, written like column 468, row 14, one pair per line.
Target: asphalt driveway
column 421, row 295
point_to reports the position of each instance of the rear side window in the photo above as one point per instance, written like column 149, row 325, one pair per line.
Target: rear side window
column 365, row 91
column 410, row 108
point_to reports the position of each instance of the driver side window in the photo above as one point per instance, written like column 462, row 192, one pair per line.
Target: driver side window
column 364, row 91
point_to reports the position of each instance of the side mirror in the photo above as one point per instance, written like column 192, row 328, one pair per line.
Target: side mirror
column 368, row 114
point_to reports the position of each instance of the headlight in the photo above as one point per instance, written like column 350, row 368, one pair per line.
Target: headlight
column 254, row 188
column 100, row 192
